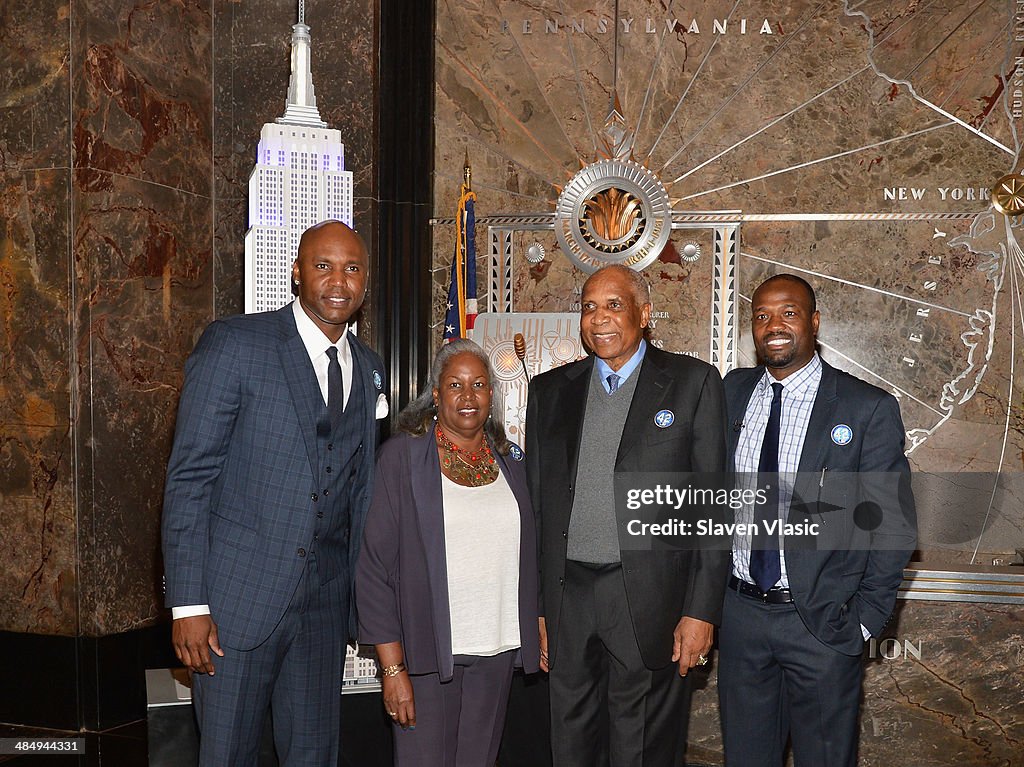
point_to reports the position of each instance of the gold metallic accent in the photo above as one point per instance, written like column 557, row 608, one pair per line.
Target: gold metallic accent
column 467, row 172
column 1008, row 194
column 612, row 213
column 923, row 593
column 702, row 660
column 972, row 581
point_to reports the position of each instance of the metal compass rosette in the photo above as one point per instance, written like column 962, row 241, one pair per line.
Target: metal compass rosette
column 613, row 212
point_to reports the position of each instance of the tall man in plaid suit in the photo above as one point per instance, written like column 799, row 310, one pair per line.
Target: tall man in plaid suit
column 267, row 489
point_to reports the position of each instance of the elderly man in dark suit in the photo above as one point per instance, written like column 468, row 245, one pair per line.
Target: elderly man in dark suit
column 267, row 490
column 622, row 627
column 797, row 614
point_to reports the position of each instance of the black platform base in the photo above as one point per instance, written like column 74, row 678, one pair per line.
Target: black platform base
column 79, row 683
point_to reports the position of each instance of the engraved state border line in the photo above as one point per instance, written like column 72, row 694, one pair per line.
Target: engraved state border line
column 869, row 27
column 980, row 134
column 862, row 286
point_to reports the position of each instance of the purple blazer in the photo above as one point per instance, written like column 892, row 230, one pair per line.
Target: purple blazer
column 401, row 576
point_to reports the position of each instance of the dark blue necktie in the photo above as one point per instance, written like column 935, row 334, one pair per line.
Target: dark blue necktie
column 765, row 566
column 613, row 382
column 335, row 387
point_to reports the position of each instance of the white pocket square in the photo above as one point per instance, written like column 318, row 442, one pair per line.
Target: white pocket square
column 382, row 406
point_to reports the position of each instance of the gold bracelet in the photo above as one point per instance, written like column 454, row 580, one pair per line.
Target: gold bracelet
column 394, row 670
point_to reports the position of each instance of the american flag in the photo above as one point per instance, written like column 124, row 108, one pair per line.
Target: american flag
column 461, row 311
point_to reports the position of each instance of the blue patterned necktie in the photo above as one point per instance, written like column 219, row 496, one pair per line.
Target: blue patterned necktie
column 765, row 565
column 335, row 387
column 613, row 382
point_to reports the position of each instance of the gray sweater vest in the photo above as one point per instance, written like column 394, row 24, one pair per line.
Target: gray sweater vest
column 593, row 531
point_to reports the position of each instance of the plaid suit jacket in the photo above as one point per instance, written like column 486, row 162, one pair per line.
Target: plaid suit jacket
column 238, row 503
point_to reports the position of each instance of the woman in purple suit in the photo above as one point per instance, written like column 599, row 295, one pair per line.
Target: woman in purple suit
column 446, row 583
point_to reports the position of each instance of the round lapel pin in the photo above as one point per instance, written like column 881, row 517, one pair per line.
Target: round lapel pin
column 515, row 451
column 842, row 434
column 377, row 380
column 664, row 419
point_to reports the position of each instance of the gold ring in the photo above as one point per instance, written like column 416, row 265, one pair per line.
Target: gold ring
column 393, row 713
column 702, row 660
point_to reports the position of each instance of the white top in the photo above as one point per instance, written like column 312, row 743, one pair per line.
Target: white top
column 481, row 542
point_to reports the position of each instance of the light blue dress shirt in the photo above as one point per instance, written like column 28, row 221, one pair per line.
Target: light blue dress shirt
column 625, row 371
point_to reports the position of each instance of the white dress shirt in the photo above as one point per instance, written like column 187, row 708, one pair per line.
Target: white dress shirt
column 316, row 344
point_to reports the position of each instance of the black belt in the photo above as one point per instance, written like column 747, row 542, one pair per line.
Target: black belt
column 774, row 596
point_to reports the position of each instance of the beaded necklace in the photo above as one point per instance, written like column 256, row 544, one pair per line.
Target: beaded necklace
column 472, row 468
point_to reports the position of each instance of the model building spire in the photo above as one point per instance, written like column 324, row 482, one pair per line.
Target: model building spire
column 299, row 180
column 300, row 109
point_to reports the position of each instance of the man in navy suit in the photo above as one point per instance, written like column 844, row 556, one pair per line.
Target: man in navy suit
column 267, row 490
column 799, row 606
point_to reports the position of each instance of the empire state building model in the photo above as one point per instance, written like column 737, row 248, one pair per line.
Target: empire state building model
column 299, row 180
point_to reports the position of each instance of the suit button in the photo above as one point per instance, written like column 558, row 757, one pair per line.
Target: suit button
column 319, row 515
column 330, row 447
column 565, row 534
column 301, row 552
column 326, row 493
column 570, row 488
column 329, row 469
column 314, row 498
column 316, row 537
column 561, row 581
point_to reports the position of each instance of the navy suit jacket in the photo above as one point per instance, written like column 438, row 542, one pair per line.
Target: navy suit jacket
column 661, row 586
column 849, row 574
column 240, row 499
column 401, row 576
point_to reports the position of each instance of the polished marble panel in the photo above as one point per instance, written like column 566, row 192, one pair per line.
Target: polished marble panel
column 944, row 686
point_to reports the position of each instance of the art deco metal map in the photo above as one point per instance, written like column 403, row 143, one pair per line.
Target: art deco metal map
column 853, row 143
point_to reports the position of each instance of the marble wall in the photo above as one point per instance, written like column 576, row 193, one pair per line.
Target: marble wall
column 943, row 687
column 37, row 489
column 128, row 133
column 106, row 268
